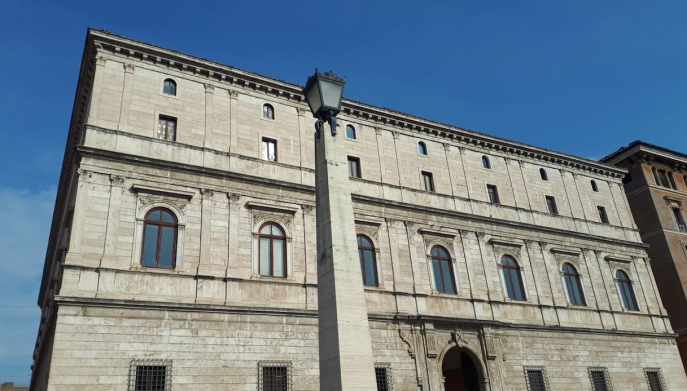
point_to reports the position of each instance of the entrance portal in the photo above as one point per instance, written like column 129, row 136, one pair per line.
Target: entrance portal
column 460, row 372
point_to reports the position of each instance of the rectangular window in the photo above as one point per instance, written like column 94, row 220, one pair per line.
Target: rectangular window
column 354, row 167
column 274, row 376
column 167, row 128
column 664, row 178
column 654, row 378
column 269, row 149
column 428, row 181
column 493, row 194
column 551, row 205
column 383, row 378
column 599, row 379
column 535, row 379
column 679, row 220
column 150, row 375
column 655, row 173
column 603, row 216
column 672, row 181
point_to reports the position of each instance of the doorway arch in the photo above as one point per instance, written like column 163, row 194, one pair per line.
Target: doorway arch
column 461, row 370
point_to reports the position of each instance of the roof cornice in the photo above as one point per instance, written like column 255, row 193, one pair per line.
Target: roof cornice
column 648, row 152
column 135, row 50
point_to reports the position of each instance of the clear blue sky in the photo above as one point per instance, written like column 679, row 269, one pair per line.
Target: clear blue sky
column 582, row 77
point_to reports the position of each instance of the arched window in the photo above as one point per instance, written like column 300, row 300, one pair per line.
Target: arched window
column 512, row 278
column 542, row 173
column 267, row 111
column 594, row 186
column 422, row 148
column 351, row 134
column 485, row 162
column 160, row 229
column 442, row 267
column 627, row 293
column 368, row 261
column 272, row 250
column 573, row 285
column 169, row 87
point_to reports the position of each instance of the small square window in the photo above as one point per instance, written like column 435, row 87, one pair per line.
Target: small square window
column 354, row 170
column 551, row 205
column 383, row 377
column 493, row 192
column 428, row 181
column 351, row 133
column 269, row 149
column 167, row 128
column 150, row 375
column 536, row 380
column 274, row 376
column 603, row 216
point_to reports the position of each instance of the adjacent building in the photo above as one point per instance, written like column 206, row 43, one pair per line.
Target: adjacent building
column 656, row 187
column 182, row 253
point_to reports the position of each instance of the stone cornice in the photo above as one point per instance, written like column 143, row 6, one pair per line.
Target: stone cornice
column 138, row 51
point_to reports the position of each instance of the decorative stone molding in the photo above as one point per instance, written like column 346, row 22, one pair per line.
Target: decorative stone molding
column 233, row 94
column 129, row 68
column 136, row 188
column 117, row 180
column 233, row 197
column 209, row 89
column 271, row 207
column 494, row 240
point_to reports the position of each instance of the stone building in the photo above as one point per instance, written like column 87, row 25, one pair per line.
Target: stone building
column 182, row 249
column 12, row 387
column 656, row 187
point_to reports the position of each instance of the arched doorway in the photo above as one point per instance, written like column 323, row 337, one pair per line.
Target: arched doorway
column 460, row 371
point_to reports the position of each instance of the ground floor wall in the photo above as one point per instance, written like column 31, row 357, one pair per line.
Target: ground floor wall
column 209, row 349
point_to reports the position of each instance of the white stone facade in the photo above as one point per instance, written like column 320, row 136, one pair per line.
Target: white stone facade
column 215, row 320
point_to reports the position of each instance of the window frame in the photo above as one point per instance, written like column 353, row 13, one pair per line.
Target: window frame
column 659, row 374
column 354, row 162
column 148, row 362
column 271, row 238
column 543, row 174
column 542, row 370
column 264, row 148
column 428, row 178
column 679, row 219
column 354, row 132
column 607, row 378
column 387, row 375
column 168, row 119
column 268, row 108
column 160, row 225
column 603, row 214
column 372, row 250
column 576, row 279
column 493, row 196
column 486, row 162
column 595, row 187
column 551, row 205
column 452, row 274
column 422, row 149
column 633, row 305
column 275, row 364
column 512, row 269
column 173, row 85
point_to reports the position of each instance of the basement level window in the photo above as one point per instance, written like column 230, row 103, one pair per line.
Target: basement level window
column 655, row 379
column 274, row 376
column 535, row 379
column 150, row 375
column 383, row 377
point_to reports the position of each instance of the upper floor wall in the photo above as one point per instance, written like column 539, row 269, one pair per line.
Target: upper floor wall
column 225, row 127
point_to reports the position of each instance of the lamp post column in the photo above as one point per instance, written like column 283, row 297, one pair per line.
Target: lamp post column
column 346, row 362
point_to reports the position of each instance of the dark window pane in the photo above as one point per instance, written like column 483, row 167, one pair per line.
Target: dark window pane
column 154, row 215
column 535, row 380
column 599, row 381
column 542, row 173
column 279, row 258
column 265, row 268
column 167, row 217
column 370, row 273
column 149, row 245
column 382, row 379
column 350, row 132
column 447, row 274
column 167, row 247
column 274, row 379
column 438, row 281
column 150, row 378
column 654, row 381
column 512, row 278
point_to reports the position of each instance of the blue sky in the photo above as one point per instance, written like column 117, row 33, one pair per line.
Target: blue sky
column 581, row 77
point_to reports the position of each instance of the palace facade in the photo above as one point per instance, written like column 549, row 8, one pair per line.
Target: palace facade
column 182, row 253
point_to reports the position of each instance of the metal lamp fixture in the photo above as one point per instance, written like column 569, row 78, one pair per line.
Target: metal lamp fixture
column 323, row 92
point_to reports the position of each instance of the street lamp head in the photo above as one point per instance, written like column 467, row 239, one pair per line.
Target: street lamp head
column 323, row 93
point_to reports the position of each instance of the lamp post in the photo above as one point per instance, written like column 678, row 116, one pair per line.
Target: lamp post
column 344, row 335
